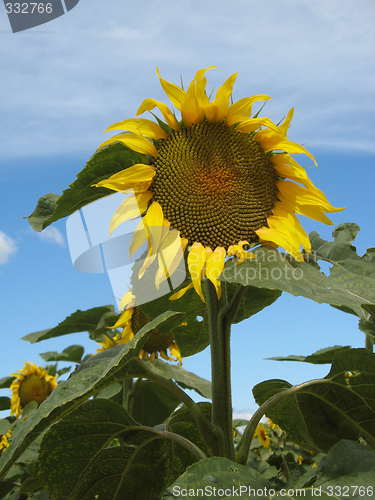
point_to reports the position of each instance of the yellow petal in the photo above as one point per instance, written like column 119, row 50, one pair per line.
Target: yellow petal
column 175, row 351
column 305, row 196
column 215, row 266
column 241, row 109
column 137, row 177
column 240, row 252
column 253, row 124
column 139, row 238
column 135, row 142
column 133, row 206
column 154, row 220
column 196, row 261
column 175, row 94
column 181, row 292
column 223, row 94
column 123, row 319
column 170, row 255
column 149, row 104
column 140, row 126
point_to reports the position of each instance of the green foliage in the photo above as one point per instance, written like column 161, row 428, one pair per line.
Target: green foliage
column 72, row 353
column 321, row 357
column 104, row 163
column 351, row 283
column 322, row 412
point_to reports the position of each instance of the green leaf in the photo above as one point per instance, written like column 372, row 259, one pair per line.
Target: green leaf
column 4, row 403
column 151, row 404
column 321, row 357
column 221, row 474
column 44, row 210
column 72, row 353
column 350, row 271
column 185, row 379
column 79, row 459
column 321, row 412
column 182, row 423
column 104, row 163
column 278, row 271
column 79, row 321
column 347, row 471
column 83, row 383
column 6, row 382
column 254, row 300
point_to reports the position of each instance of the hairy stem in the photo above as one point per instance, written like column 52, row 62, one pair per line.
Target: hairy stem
column 219, row 330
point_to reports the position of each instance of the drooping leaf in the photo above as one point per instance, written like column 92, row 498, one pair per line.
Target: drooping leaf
column 185, row 379
column 151, row 404
column 321, row 357
column 6, row 382
column 84, row 382
column 254, row 300
column 44, row 210
column 79, row 321
column 104, row 163
column 99, row 450
column 322, row 412
column 72, row 353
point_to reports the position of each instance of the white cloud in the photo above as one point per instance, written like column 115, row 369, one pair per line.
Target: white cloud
column 7, row 247
column 315, row 56
column 53, row 235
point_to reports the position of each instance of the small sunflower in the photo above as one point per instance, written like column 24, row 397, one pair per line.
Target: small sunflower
column 221, row 179
column 4, row 441
column 132, row 320
column 31, row 384
column 262, row 435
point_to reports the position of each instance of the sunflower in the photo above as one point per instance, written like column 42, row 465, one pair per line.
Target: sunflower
column 4, row 441
column 221, row 179
column 262, row 436
column 31, row 384
column 132, row 320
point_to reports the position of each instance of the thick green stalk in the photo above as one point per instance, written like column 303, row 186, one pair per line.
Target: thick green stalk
column 220, row 370
column 369, row 342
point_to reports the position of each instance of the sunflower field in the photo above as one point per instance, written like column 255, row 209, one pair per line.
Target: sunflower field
column 217, row 191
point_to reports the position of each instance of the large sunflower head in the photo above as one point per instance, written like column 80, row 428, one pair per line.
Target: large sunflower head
column 221, row 179
column 131, row 321
column 32, row 383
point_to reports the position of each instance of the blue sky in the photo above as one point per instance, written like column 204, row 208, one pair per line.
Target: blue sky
column 64, row 82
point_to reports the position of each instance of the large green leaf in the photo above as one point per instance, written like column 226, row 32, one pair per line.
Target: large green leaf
column 4, row 403
column 72, row 353
column 347, row 471
column 321, row 357
column 79, row 458
column 254, row 300
column 350, row 286
column 6, row 382
column 83, row 383
column 150, row 403
column 216, row 477
column 79, row 321
column 104, row 163
column 321, row 412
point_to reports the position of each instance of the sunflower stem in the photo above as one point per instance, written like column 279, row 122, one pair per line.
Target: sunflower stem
column 127, row 388
column 219, row 331
column 369, row 342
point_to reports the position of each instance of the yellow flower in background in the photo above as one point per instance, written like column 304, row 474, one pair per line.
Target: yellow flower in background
column 132, row 320
column 218, row 177
column 4, row 441
column 32, row 383
column 261, row 434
